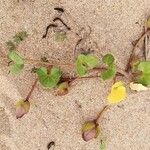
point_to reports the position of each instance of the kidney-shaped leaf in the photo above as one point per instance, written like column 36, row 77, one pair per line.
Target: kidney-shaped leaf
column 85, row 62
column 108, row 59
column 144, row 67
column 144, row 77
column 48, row 79
column 17, row 63
column 109, row 73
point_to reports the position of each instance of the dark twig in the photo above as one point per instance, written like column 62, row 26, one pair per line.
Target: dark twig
column 70, row 80
column 52, row 143
column 47, row 28
column 59, row 19
column 59, row 9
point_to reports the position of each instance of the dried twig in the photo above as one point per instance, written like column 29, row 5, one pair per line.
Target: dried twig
column 145, row 44
column 47, row 28
column 128, row 67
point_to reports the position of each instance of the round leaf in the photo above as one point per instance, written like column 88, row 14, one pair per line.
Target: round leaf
column 16, row 68
column 49, row 80
column 13, row 56
column 144, row 67
column 85, row 62
column 144, row 79
column 108, row 59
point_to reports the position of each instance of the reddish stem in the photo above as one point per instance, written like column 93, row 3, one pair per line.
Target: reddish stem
column 31, row 91
column 101, row 113
column 72, row 79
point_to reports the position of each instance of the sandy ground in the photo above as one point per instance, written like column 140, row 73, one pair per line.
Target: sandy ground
column 115, row 25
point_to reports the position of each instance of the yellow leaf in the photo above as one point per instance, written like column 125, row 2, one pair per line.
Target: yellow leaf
column 117, row 94
column 137, row 87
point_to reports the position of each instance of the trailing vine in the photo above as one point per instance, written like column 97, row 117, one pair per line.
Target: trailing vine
column 86, row 66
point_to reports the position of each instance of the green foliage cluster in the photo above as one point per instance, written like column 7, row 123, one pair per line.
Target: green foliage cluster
column 51, row 78
column 16, row 61
column 83, row 64
column 86, row 62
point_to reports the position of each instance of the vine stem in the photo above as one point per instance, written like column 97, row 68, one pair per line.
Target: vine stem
column 47, row 64
column 34, row 61
column 72, row 79
column 32, row 89
column 101, row 113
column 128, row 67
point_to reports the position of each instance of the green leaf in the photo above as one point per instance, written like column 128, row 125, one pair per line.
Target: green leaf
column 13, row 56
column 108, row 59
column 60, row 36
column 20, row 36
column 81, row 70
column 144, row 79
column 16, row 68
column 144, row 67
column 48, row 79
column 109, row 73
column 91, row 61
column 17, row 63
column 85, row 62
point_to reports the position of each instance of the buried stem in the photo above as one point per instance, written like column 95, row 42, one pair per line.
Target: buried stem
column 39, row 62
column 72, row 79
column 121, row 72
column 31, row 91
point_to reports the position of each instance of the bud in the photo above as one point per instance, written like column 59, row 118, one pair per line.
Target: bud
column 62, row 88
column 22, row 108
column 90, row 130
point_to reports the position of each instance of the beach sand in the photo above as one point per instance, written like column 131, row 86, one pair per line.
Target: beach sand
column 115, row 24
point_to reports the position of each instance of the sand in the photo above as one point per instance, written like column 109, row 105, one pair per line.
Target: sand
column 115, row 25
